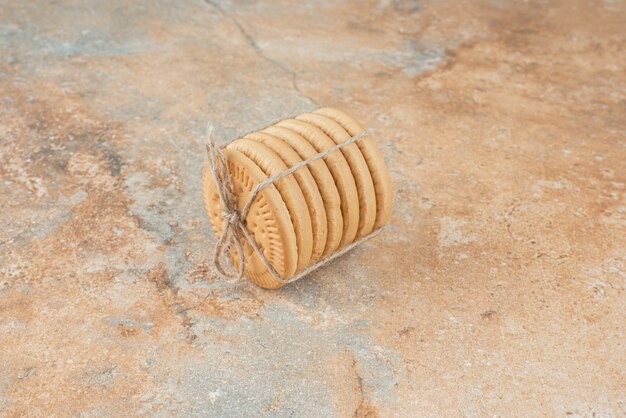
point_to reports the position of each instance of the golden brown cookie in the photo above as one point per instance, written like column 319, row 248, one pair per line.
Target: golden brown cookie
column 268, row 220
column 323, row 179
column 375, row 161
column 272, row 164
column 358, row 167
column 307, row 184
column 340, row 171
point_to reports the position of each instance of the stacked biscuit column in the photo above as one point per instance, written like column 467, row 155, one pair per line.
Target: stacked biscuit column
column 320, row 208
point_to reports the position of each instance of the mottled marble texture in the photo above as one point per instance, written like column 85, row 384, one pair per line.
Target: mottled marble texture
column 498, row 288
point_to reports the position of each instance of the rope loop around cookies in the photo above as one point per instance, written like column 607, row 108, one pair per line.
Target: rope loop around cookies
column 234, row 229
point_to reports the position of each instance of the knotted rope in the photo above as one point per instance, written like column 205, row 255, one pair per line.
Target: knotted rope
column 234, row 229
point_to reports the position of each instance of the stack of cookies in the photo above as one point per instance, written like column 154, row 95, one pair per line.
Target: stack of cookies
column 317, row 210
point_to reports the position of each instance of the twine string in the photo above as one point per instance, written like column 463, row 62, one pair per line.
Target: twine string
column 234, row 230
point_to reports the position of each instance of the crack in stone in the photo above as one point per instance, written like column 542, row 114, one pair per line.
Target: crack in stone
column 507, row 218
column 252, row 43
column 359, row 380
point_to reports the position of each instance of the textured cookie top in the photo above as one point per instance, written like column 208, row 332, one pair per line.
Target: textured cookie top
column 268, row 220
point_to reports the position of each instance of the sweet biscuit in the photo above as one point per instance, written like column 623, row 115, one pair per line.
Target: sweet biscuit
column 323, row 179
column 268, row 220
column 307, row 184
column 340, row 171
column 287, row 186
column 358, row 167
column 375, row 161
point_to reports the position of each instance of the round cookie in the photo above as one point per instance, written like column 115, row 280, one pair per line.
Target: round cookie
column 358, row 167
column 375, row 162
column 268, row 220
column 340, row 170
column 312, row 196
column 289, row 190
column 323, row 179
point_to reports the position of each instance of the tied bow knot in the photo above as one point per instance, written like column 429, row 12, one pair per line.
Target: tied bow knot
column 232, row 217
column 233, row 229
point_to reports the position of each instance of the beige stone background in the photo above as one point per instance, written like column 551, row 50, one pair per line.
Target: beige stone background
column 498, row 288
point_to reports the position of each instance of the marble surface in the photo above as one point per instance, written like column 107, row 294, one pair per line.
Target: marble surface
column 498, row 288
